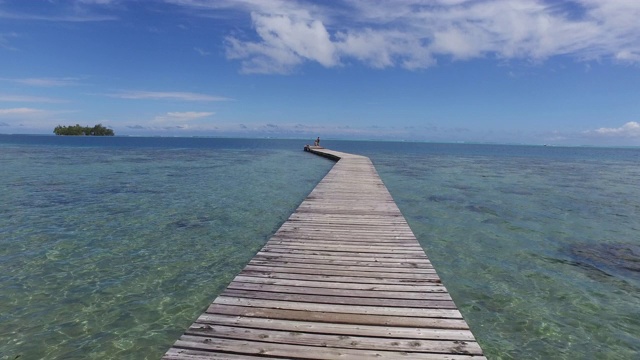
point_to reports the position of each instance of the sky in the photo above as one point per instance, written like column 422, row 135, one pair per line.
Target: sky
column 496, row 71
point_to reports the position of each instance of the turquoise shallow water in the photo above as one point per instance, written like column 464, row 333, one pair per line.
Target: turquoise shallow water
column 109, row 248
column 539, row 247
column 112, row 251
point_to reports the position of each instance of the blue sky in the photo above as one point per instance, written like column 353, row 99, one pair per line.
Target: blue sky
column 536, row 72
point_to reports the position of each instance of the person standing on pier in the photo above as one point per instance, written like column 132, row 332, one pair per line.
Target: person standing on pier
column 317, row 142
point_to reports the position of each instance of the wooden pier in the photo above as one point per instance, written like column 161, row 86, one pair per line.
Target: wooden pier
column 343, row 278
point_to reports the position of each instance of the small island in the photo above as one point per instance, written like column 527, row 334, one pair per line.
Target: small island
column 76, row 130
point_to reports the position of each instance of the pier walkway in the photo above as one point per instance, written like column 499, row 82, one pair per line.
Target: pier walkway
column 343, row 278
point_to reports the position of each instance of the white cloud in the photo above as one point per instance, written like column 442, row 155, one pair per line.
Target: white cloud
column 65, row 12
column 157, row 95
column 32, row 119
column 307, row 38
column 628, row 56
column 45, row 82
column 286, row 41
column 201, row 51
column 31, row 113
column 262, row 59
column 26, row 98
column 5, row 40
column 57, row 18
column 98, row 2
column 412, row 33
column 628, row 130
column 380, row 49
column 20, row 112
column 179, row 119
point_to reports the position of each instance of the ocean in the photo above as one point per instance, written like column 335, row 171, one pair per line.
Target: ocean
column 110, row 247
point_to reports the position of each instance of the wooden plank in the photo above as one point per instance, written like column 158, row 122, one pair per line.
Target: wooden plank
column 424, row 287
column 299, row 351
column 337, row 278
column 330, row 234
column 327, row 299
column 342, row 257
column 342, row 247
column 339, row 308
column 343, row 278
column 310, row 258
column 401, row 276
column 347, row 239
column 336, row 341
column 176, row 353
column 340, row 292
column 359, row 248
column 339, row 329
column 339, row 318
column 343, row 254
column 404, row 267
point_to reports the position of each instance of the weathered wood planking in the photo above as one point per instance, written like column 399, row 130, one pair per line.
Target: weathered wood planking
column 343, row 278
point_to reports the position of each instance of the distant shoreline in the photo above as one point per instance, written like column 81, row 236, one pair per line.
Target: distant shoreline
column 328, row 139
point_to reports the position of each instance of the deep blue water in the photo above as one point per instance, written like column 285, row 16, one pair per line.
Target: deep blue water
column 110, row 247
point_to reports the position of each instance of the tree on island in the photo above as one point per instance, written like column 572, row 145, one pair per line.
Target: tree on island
column 76, row 129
